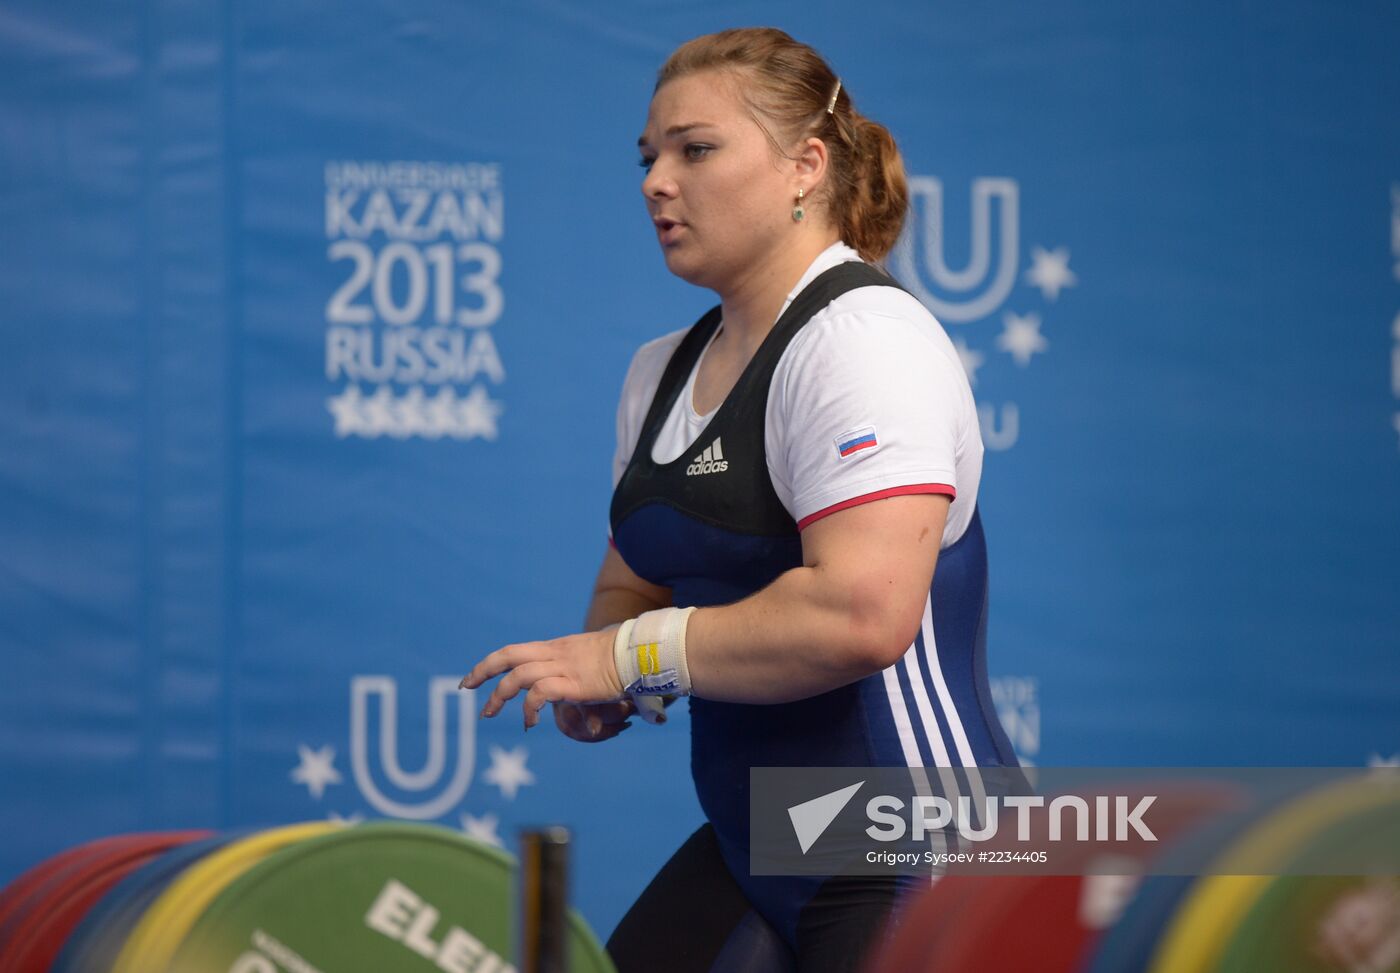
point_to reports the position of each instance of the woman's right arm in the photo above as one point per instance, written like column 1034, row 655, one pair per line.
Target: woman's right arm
column 618, row 594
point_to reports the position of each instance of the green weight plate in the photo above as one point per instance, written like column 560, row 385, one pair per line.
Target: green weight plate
column 1203, row 928
column 161, row 929
column 381, row 896
column 1309, row 923
column 1366, row 840
column 1320, row 924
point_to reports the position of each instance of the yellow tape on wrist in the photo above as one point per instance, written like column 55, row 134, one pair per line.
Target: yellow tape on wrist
column 649, row 652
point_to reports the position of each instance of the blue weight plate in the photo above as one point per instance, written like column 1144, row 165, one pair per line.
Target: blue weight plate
column 95, row 943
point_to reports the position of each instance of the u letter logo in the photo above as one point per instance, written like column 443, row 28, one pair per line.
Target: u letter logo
column 430, row 778
column 959, row 296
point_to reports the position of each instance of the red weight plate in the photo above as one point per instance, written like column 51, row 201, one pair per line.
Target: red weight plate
column 17, row 892
column 925, row 921
column 94, row 945
column 59, row 904
column 1047, row 923
column 17, row 896
column 1020, row 922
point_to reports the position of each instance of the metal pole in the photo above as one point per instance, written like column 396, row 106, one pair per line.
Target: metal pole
column 544, row 885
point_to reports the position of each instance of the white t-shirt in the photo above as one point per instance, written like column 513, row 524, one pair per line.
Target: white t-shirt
column 868, row 400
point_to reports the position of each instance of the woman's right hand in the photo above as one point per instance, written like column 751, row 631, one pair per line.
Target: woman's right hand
column 618, row 594
column 593, row 722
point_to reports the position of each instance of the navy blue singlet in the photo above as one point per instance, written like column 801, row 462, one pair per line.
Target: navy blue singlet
column 718, row 537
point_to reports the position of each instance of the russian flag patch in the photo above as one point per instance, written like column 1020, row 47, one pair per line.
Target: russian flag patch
column 850, row 443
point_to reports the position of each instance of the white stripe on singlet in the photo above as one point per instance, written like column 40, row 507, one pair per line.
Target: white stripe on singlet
column 950, row 711
column 903, row 721
column 899, row 711
column 900, row 714
column 940, row 684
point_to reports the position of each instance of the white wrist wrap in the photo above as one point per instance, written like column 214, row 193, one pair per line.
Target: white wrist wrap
column 649, row 651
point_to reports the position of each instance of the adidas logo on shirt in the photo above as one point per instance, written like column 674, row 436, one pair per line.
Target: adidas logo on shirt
column 710, row 461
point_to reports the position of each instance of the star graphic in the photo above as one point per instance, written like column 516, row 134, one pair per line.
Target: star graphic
column 346, row 409
column 1395, row 421
column 439, row 414
column 1376, row 760
column 409, row 410
column 379, row 412
column 1050, row 271
column 508, row 771
column 971, row 360
column 317, row 769
column 482, row 829
column 354, row 817
column 477, row 415
column 1021, row 336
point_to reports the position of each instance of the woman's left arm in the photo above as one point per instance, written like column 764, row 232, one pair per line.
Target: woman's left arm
column 852, row 609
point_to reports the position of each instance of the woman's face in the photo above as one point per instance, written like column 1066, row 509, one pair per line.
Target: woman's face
column 720, row 200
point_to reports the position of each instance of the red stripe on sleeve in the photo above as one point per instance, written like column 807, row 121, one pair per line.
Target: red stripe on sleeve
column 942, row 488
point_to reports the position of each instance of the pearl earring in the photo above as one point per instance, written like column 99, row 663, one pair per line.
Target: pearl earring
column 797, row 211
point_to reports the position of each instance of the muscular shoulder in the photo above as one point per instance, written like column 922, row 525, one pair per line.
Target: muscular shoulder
column 869, row 397
column 871, row 331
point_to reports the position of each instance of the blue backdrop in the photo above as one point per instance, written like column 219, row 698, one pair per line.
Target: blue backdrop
column 315, row 315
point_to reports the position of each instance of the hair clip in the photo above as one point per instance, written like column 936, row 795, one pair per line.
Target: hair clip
column 831, row 105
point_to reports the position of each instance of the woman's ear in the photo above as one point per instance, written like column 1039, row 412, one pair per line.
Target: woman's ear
column 811, row 162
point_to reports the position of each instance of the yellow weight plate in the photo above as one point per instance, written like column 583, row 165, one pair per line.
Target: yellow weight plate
column 152, row 944
column 1199, row 932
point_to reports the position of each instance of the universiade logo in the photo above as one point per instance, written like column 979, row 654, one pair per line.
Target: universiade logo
column 388, row 732
column 978, row 289
column 983, row 291
column 442, row 691
column 1070, row 816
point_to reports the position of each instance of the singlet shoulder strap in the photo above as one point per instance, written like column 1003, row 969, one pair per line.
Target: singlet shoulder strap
column 678, row 369
column 824, row 288
column 821, row 291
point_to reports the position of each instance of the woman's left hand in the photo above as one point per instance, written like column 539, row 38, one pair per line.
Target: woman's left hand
column 576, row 668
